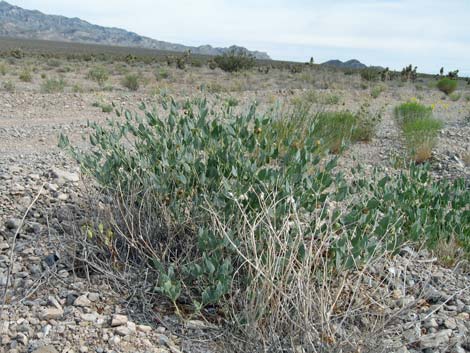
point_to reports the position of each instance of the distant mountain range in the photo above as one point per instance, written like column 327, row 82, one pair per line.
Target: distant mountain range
column 21, row 23
column 350, row 64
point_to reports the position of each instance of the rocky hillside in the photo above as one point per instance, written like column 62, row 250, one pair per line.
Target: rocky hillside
column 350, row 64
column 18, row 22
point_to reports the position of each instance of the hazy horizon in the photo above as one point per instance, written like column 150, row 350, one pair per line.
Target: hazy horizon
column 393, row 33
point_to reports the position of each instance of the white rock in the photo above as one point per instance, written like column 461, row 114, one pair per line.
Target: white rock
column 82, row 301
column 63, row 175
column 144, row 328
column 51, row 314
column 118, row 320
column 123, row 331
column 89, row 317
column 46, row 349
column 450, row 323
column 114, row 341
column 53, row 301
column 93, row 297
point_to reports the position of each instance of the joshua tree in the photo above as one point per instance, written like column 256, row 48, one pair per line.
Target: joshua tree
column 453, row 74
column 409, row 73
column 385, row 74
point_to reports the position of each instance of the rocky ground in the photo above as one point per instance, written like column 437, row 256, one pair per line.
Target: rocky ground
column 49, row 308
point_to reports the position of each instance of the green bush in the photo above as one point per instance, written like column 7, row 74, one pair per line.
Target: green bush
column 233, row 61
column 335, row 128
column 26, row 75
column 420, row 136
column 219, row 217
column 131, row 82
column 447, row 85
column 99, row 74
column 411, row 111
column 53, row 85
column 419, row 129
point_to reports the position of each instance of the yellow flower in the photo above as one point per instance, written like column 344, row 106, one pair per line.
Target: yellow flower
column 433, row 106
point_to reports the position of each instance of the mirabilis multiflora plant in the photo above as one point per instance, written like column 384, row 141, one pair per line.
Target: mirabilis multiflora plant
column 236, row 215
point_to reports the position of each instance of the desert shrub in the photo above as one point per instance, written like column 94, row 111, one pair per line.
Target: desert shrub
column 419, row 129
column 376, row 91
column 447, row 85
column 53, row 85
column 26, row 75
column 196, row 63
column 423, row 213
column 76, row 88
column 467, row 97
column 9, row 86
column 334, row 129
column 3, row 69
column 99, row 74
column 131, row 82
column 454, row 97
column 54, row 63
column 295, row 69
column 214, row 87
column 17, row 53
column 212, row 64
column 106, row 108
column 43, row 76
column 162, row 74
column 367, row 122
column 231, row 102
column 219, row 219
column 64, row 69
column 369, row 74
column 330, row 99
column 411, row 111
column 234, row 61
column 420, row 136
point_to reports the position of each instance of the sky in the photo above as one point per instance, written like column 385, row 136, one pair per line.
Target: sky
column 394, row 33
